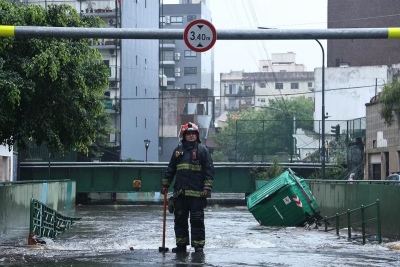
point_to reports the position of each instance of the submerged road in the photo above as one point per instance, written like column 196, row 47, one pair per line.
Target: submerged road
column 233, row 238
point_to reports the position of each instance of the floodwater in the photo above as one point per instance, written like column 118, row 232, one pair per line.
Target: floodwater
column 105, row 233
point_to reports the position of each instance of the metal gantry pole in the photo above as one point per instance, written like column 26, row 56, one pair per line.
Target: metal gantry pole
column 223, row 34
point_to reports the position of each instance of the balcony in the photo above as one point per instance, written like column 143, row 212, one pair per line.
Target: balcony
column 168, row 63
column 114, row 73
column 103, row 13
column 111, row 106
column 241, row 92
column 170, row 44
column 105, row 43
column 231, row 108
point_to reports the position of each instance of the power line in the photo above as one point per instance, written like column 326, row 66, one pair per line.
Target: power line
column 258, row 95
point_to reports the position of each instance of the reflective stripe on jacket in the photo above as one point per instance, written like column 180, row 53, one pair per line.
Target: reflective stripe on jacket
column 192, row 166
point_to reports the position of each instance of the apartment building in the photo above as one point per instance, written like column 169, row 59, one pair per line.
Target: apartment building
column 187, row 94
column 280, row 77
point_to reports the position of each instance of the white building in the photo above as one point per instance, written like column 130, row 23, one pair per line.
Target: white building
column 347, row 90
column 279, row 77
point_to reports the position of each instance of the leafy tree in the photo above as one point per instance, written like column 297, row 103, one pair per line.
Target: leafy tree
column 390, row 99
column 267, row 172
column 263, row 131
column 51, row 88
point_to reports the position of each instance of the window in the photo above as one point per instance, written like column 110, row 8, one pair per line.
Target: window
column 248, row 100
column 190, row 71
column 190, row 86
column 176, row 20
column 168, row 55
column 191, row 18
column 294, row 86
column 262, row 100
column 231, row 89
column 190, row 54
column 170, row 85
column 310, row 84
column 279, row 86
column 162, row 21
column 263, row 85
column 169, row 71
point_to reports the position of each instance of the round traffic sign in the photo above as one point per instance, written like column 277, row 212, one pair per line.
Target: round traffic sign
column 200, row 35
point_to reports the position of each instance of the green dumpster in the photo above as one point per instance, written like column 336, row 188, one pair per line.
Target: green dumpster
column 284, row 201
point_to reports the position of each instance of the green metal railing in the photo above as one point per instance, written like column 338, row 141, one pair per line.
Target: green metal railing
column 46, row 222
column 360, row 220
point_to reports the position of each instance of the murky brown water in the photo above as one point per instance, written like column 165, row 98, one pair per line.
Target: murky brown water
column 233, row 238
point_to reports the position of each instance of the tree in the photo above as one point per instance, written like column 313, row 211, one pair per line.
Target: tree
column 266, row 173
column 263, row 132
column 390, row 99
column 51, row 88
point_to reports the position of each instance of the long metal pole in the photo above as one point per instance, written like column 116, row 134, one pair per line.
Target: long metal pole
column 323, row 111
column 225, row 34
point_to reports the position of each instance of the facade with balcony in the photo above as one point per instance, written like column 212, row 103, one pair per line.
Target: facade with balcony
column 278, row 77
column 186, row 73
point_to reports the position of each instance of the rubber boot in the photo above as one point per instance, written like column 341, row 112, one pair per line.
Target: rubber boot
column 198, row 249
column 179, row 249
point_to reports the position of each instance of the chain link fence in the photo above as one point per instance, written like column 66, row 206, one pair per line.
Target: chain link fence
column 289, row 140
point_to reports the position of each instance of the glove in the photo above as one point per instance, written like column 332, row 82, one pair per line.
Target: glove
column 164, row 190
column 171, row 204
column 207, row 193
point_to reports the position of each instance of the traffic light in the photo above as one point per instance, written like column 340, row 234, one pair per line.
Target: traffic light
column 336, row 131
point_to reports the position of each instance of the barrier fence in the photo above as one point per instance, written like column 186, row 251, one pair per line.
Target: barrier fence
column 362, row 218
column 46, row 222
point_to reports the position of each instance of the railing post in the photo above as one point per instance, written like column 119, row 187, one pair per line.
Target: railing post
column 378, row 216
column 348, row 225
column 54, row 224
column 326, row 223
column 31, row 223
column 363, row 223
column 41, row 221
column 337, row 224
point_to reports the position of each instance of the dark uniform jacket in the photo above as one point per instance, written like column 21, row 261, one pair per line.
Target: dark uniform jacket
column 192, row 164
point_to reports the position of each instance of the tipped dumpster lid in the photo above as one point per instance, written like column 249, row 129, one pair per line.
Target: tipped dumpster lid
column 277, row 183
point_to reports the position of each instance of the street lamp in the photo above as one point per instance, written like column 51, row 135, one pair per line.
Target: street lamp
column 323, row 109
column 146, row 145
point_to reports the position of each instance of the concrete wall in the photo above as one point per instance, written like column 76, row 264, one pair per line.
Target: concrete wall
column 337, row 198
column 15, row 204
column 347, row 90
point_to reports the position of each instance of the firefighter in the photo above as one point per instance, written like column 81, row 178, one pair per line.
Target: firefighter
column 193, row 167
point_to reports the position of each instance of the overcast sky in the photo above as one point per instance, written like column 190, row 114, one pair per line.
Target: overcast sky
column 250, row 14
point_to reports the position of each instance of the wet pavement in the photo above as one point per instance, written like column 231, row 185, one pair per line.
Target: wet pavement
column 233, row 238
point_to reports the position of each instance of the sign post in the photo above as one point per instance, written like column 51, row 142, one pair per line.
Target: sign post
column 200, row 35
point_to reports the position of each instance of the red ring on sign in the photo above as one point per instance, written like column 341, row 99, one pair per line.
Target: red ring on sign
column 199, row 21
